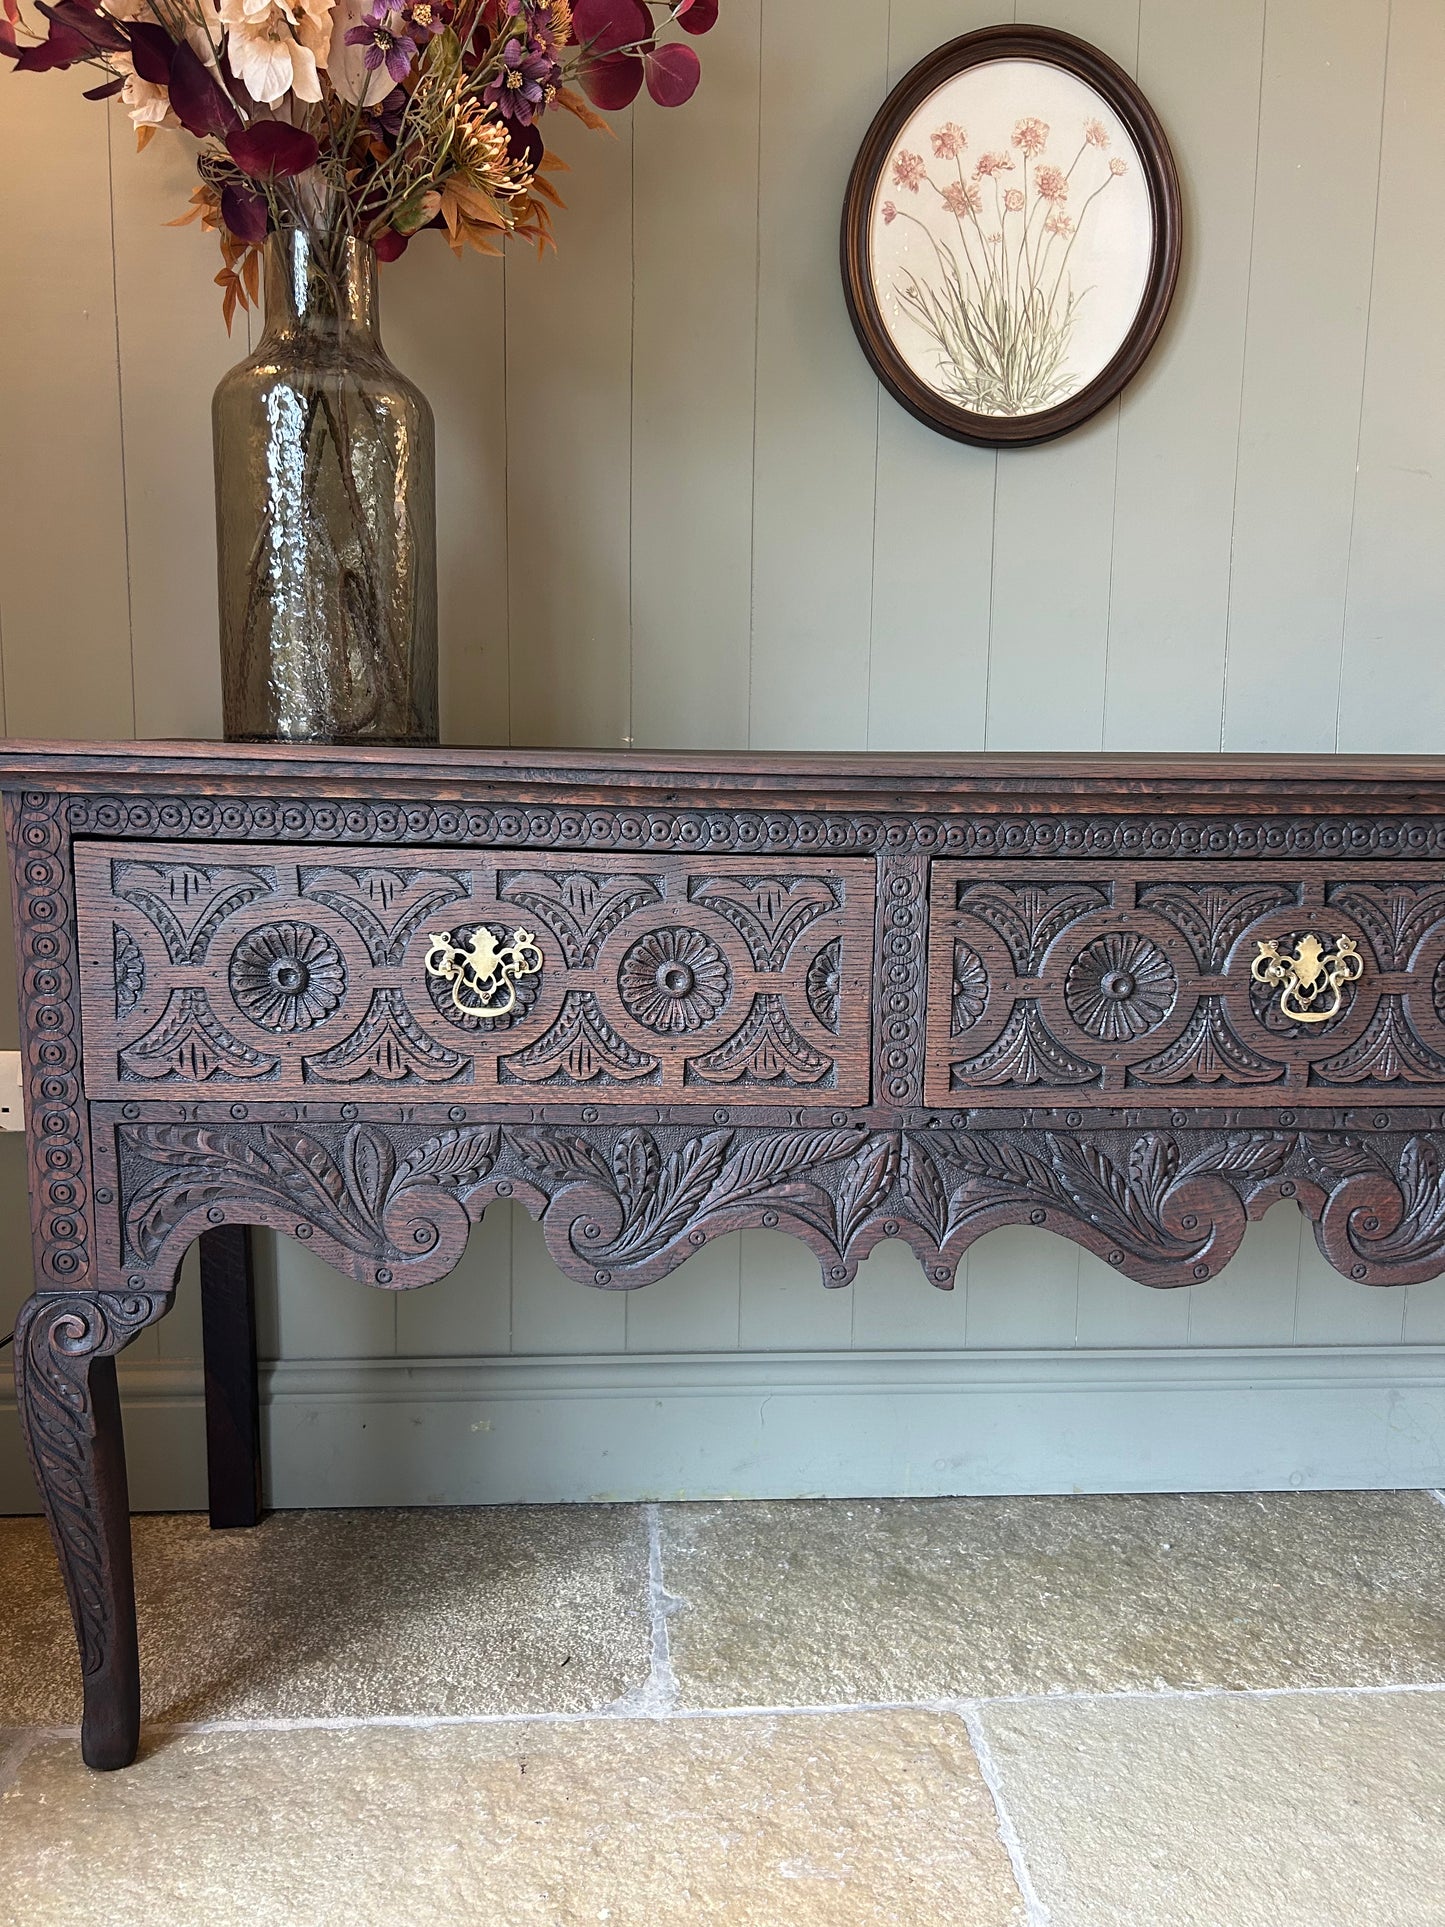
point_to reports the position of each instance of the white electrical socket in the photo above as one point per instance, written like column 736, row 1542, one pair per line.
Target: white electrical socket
column 12, row 1092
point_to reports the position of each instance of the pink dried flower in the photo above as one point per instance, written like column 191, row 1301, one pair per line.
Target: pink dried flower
column 890, row 213
column 1052, row 183
column 1117, row 167
column 1096, row 133
column 1014, row 201
column 991, row 164
column 1030, row 134
column 949, row 141
column 908, row 170
column 1059, row 224
column 960, row 198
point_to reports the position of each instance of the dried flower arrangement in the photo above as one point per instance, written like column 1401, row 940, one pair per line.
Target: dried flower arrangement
column 363, row 119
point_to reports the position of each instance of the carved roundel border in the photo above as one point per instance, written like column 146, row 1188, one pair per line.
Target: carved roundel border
column 58, row 1137
column 740, row 830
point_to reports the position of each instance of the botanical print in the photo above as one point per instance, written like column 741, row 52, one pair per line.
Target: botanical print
column 1010, row 237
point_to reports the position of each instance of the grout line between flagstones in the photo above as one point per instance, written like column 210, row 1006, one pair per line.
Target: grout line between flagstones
column 1035, row 1911
column 637, row 1707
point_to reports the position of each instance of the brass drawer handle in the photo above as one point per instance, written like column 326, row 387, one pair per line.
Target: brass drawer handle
column 482, row 973
column 1309, row 975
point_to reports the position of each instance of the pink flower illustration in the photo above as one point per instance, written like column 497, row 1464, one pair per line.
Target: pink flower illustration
column 908, row 170
column 1030, row 134
column 994, row 304
column 961, row 199
column 1052, row 183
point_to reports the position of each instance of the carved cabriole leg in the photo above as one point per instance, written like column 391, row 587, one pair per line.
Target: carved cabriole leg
column 65, row 1347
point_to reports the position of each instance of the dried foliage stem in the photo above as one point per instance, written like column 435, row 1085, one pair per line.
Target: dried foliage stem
column 365, row 119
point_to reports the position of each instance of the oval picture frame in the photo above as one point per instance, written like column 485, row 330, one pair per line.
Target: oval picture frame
column 1000, row 295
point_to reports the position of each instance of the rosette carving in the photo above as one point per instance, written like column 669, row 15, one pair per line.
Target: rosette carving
column 1119, row 986
column 287, row 976
column 970, row 988
column 674, row 980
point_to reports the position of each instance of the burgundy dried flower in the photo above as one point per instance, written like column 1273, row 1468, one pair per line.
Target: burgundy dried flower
column 425, row 19
column 386, row 46
column 527, row 78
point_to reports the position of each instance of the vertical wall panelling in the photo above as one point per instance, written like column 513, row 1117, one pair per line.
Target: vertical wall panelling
column 1314, row 245
column 307, row 1310
column 1023, row 1290
column 1053, row 529
column 784, row 1306
column 444, row 325
column 1396, row 586
column 816, row 409
column 549, row 1313
column 896, row 1306
column 1179, row 426
column 66, row 617
column 173, row 350
column 15, row 1283
column 1254, row 1300
column 695, row 1310
column 1327, row 1312
column 1109, row 1314
column 695, row 214
column 569, row 435
column 469, row 1314
column 933, row 521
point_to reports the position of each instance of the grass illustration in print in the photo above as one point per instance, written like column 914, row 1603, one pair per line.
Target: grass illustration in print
column 1001, row 302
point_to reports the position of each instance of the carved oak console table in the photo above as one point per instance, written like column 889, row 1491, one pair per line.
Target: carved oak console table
column 357, row 996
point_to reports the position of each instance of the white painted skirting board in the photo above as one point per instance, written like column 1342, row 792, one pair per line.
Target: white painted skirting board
column 855, row 1424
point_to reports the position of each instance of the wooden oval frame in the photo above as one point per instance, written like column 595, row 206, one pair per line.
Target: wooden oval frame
column 1089, row 65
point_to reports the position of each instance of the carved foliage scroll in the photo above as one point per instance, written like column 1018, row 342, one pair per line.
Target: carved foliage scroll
column 58, row 1339
column 622, row 1206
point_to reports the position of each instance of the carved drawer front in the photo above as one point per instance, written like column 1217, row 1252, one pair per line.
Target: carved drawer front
column 1296, row 983
column 251, row 972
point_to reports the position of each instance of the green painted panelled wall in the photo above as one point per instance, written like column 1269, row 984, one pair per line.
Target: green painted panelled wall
column 676, row 509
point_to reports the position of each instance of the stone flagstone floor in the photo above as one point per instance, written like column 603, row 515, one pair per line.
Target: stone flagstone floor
column 1199, row 1711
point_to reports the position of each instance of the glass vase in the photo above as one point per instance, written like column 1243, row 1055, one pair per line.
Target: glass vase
column 325, row 516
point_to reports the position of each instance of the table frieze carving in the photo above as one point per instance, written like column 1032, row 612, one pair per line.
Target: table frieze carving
column 624, row 1205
